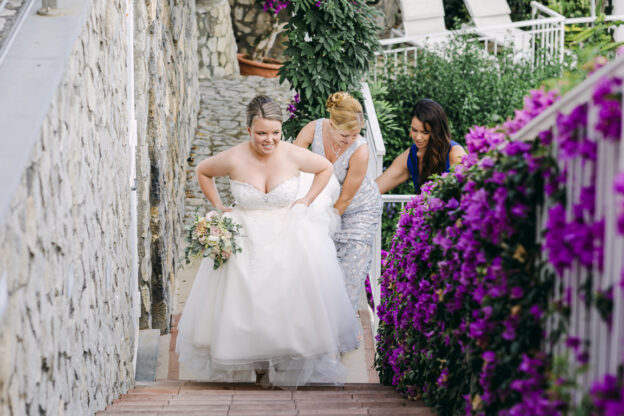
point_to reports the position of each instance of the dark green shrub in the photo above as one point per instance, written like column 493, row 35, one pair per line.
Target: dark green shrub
column 330, row 45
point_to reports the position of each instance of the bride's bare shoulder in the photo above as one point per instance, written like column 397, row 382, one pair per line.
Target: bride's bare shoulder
column 292, row 150
column 236, row 151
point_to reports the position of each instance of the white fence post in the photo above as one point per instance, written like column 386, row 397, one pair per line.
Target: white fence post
column 48, row 8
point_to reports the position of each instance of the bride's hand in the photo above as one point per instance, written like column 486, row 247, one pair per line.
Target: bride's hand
column 301, row 201
column 223, row 208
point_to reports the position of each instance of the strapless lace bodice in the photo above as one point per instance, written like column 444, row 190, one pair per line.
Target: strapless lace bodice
column 249, row 197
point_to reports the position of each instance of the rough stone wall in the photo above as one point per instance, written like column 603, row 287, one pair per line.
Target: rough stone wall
column 250, row 22
column 216, row 45
column 67, row 336
column 167, row 102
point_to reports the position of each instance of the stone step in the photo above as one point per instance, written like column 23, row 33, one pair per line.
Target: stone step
column 147, row 355
column 199, row 398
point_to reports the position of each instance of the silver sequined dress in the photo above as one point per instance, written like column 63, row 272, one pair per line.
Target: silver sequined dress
column 354, row 241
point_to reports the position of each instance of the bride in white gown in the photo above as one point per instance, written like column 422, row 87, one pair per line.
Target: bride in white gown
column 280, row 306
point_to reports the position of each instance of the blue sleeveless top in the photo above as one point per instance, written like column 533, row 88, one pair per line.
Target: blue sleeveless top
column 412, row 164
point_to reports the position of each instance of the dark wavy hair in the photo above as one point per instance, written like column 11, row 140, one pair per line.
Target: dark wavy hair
column 432, row 116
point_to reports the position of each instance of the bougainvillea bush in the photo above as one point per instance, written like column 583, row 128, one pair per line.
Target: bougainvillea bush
column 467, row 289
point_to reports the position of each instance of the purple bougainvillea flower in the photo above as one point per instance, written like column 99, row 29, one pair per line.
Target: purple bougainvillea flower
column 536, row 311
column 487, row 162
column 608, row 396
column 545, row 137
column 582, row 357
column 483, row 139
column 514, row 148
column 606, row 98
column 510, row 331
column 517, row 292
column 573, row 342
column 443, row 378
column 478, row 328
column 489, row 356
column 618, row 183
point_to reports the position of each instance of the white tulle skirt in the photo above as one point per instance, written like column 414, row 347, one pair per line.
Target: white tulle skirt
column 279, row 306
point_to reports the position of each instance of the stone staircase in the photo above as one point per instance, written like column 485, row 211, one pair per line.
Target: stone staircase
column 168, row 389
column 164, row 398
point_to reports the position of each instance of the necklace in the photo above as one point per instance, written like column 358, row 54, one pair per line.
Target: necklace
column 336, row 152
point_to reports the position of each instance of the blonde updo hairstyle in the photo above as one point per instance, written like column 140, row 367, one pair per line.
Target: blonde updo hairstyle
column 345, row 112
column 264, row 107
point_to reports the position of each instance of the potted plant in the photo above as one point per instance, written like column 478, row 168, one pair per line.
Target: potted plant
column 259, row 63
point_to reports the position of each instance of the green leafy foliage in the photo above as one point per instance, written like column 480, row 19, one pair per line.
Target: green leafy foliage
column 596, row 38
column 330, row 45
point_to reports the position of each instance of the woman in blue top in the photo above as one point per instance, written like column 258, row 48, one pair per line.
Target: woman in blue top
column 433, row 150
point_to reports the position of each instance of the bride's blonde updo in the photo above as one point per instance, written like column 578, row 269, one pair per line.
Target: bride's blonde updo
column 263, row 107
column 345, row 112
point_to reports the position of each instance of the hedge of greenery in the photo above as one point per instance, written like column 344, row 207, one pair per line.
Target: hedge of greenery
column 465, row 292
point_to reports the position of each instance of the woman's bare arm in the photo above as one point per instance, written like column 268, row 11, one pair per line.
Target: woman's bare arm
column 395, row 174
column 207, row 170
column 456, row 155
column 306, row 135
column 358, row 165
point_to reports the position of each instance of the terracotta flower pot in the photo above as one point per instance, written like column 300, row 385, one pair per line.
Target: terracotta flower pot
column 263, row 69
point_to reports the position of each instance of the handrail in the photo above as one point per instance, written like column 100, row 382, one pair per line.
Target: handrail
column 379, row 149
column 403, row 199
column 609, row 18
column 23, row 12
column 581, row 93
column 546, row 10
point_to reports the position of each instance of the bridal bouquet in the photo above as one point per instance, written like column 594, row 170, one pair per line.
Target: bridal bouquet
column 214, row 236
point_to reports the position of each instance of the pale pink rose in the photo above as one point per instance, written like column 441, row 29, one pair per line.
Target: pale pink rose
column 211, row 214
column 215, row 231
column 226, row 254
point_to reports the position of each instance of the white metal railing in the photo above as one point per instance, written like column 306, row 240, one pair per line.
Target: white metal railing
column 592, row 19
column 539, row 40
column 607, row 348
column 377, row 150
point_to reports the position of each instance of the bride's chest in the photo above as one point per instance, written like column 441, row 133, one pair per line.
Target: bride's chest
column 249, row 197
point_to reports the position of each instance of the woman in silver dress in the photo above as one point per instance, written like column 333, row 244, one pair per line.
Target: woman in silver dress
column 359, row 204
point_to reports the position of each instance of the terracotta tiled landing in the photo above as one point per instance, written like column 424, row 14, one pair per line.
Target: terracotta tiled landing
column 165, row 398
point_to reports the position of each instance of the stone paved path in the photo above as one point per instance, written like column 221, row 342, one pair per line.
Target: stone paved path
column 221, row 125
column 191, row 398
